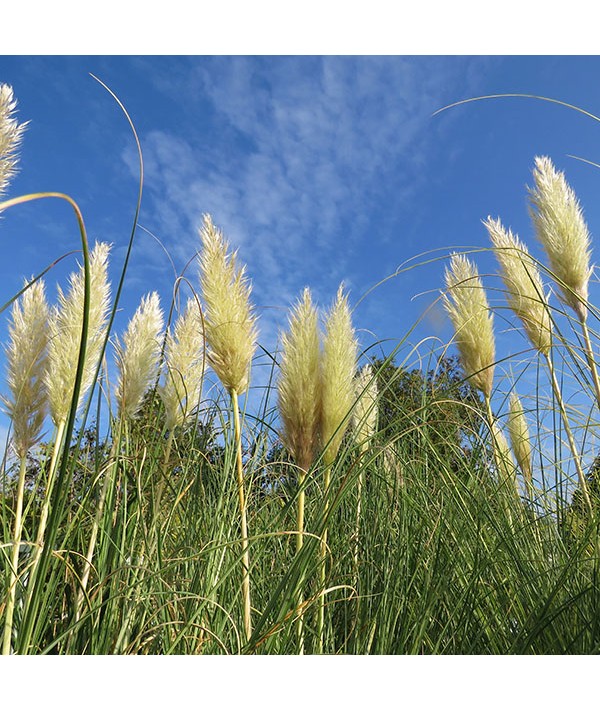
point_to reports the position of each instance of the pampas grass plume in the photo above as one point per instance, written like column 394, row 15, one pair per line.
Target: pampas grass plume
column 137, row 357
column 338, row 369
column 518, row 431
column 467, row 306
column 230, row 324
column 525, row 291
column 365, row 410
column 503, row 455
column 560, row 227
column 26, row 367
column 299, row 384
column 65, row 326
column 184, row 356
column 11, row 134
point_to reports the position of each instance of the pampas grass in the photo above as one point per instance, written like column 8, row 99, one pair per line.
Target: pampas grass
column 65, row 332
column 65, row 327
column 299, row 384
column 469, row 311
column 560, row 227
column 337, row 397
column 137, row 365
column 421, row 545
column 231, row 334
column 524, row 288
column 503, row 457
column 364, row 415
column 299, row 404
column 184, row 361
column 364, row 420
column 26, row 406
column 337, row 374
column 230, row 323
column 137, row 357
column 26, row 359
column 11, row 134
column 520, row 440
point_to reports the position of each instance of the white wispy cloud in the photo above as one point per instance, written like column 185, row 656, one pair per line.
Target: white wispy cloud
column 294, row 157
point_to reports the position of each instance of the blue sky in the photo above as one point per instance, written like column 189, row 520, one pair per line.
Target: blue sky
column 320, row 169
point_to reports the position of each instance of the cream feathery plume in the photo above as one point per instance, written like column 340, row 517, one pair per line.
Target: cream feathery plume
column 137, row 357
column 11, row 134
column 365, row 411
column 503, row 457
column 299, row 403
column 184, row 357
column 337, row 374
column 230, row 324
column 467, row 306
column 299, row 384
column 560, row 227
column 65, row 325
column 26, row 367
column 525, row 290
column 337, row 397
column 518, row 431
column 231, row 333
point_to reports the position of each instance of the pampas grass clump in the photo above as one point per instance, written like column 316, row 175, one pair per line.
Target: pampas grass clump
column 468, row 308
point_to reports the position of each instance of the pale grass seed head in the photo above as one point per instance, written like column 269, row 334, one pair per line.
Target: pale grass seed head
column 26, row 367
column 468, row 308
column 520, row 440
column 137, row 357
column 503, row 457
column 524, row 287
column 337, row 373
column 184, row 359
column 230, row 323
column 392, row 463
column 560, row 227
column 65, row 326
column 299, row 384
column 365, row 411
column 11, row 134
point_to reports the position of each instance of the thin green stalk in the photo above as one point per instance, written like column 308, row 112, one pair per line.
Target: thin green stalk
column 359, row 488
column 323, row 554
column 64, row 430
column 39, row 540
column 244, row 525
column 14, row 563
column 580, row 473
column 299, row 544
column 87, row 567
column 591, row 360
column 164, row 474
